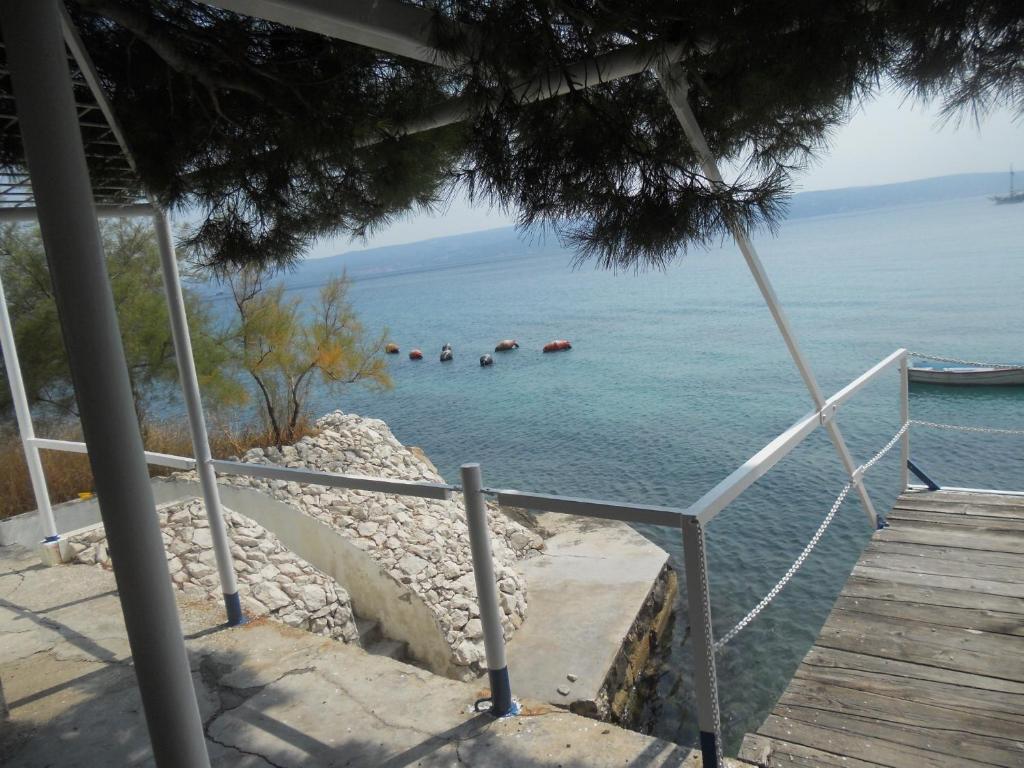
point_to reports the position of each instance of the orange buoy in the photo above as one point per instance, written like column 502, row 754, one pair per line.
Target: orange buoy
column 506, row 344
column 391, row 348
column 416, row 355
column 557, row 345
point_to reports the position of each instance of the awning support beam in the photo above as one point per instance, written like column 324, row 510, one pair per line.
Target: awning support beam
column 60, row 179
column 674, row 82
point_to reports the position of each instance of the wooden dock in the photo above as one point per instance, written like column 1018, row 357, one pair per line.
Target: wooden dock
column 921, row 662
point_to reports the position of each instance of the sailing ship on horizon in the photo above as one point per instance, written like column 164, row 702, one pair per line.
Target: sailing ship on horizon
column 1013, row 197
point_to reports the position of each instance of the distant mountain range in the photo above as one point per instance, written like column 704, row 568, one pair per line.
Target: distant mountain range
column 497, row 244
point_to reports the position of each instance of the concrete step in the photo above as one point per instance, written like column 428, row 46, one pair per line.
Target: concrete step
column 393, row 649
column 369, row 631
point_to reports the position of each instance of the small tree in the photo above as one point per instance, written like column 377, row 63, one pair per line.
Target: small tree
column 284, row 347
column 134, row 269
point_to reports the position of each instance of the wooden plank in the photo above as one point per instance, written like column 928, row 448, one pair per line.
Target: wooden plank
column 960, row 649
column 980, row 702
column 872, row 750
column 965, row 584
column 956, row 554
column 1015, row 512
column 964, row 618
column 772, row 753
column 885, row 588
column 1007, row 695
column 948, row 536
column 963, row 497
column 992, row 732
column 976, row 522
column 938, row 566
column 940, row 745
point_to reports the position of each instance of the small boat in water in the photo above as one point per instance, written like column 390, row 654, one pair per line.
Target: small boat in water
column 391, row 348
column 969, row 376
column 416, row 354
column 486, row 360
column 506, row 345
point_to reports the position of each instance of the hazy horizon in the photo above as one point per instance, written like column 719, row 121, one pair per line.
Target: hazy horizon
column 888, row 140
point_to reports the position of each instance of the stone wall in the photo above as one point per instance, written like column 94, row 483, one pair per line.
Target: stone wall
column 272, row 581
column 420, row 543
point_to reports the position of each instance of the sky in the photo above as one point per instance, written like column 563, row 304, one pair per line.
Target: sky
column 887, row 140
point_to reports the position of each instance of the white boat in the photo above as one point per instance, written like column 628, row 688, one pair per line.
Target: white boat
column 969, row 376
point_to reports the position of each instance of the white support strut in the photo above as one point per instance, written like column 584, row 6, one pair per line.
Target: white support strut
column 673, row 81
column 24, row 416
column 196, row 420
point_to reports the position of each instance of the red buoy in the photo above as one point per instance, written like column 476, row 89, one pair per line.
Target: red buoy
column 415, row 355
column 557, row 345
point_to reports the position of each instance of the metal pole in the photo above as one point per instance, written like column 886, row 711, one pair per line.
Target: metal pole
column 673, row 81
column 487, row 591
column 24, row 416
column 196, row 421
column 705, row 679
column 37, row 60
column 904, row 418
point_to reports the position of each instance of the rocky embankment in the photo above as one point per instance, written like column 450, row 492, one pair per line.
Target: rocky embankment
column 420, row 543
column 272, row 581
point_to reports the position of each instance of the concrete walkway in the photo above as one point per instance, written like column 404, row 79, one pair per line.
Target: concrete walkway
column 270, row 695
column 585, row 591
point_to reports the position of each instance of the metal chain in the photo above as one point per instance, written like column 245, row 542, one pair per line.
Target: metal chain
column 811, row 544
column 702, row 566
column 963, row 362
column 959, row 428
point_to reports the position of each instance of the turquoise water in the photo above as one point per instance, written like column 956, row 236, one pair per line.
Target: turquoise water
column 676, row 378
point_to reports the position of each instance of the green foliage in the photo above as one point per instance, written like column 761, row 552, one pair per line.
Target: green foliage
column 134, row 269
column 285, row 347
column 266, row 127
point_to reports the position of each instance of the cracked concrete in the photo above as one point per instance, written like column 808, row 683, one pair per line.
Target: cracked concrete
column 269, row 695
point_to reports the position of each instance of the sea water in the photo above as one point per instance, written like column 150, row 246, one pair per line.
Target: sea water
column 677, row 377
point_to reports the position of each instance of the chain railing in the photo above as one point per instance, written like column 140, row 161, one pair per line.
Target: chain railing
column 962, row 428
column 781, row 583
column 943, row 359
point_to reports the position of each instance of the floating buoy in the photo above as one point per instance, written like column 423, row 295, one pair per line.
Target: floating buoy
column 486, row 360
column 557, row 345
column 391, row 348
column 446, row 354
column 416, row 355
column 506, row 344
column 446, row 346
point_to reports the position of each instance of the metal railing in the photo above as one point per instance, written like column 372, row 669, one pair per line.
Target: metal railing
column 691, row 521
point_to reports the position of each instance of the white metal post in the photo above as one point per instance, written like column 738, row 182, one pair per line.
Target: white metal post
column 28, row 435
column 904, row 418
column 486, row 590
column 673, row 81
column 196, row 420
column 47, row 118
column 698, row 605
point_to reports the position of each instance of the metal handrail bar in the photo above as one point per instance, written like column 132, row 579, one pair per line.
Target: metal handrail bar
column 419, row 488
column 608, row 510
column 152, row 457
column 718, row 498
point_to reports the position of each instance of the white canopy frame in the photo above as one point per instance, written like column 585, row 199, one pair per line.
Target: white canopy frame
column 402, row 30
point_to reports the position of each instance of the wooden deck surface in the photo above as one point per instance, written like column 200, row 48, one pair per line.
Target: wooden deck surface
column 921, row 662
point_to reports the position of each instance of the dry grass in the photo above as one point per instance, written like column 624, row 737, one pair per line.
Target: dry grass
column 68, row 474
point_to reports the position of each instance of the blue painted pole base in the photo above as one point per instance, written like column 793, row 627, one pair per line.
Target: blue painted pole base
column 709, row 749
column 501, row 693
column 234, row 607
